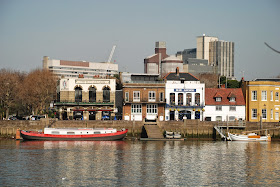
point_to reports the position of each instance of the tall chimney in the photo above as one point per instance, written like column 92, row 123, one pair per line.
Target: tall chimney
column 177, row 71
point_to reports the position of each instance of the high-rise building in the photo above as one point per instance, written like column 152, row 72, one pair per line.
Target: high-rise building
column 202, row 44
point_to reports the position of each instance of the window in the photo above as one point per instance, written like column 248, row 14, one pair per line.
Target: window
column 218, row 108
column 71, row 133
column 276, row 96
column 136, row 109
column 231, row 118
column 106, row 94
column 92, row 94
column 264, row 113
column 180, row 99
column 271, row 114
column 232, row 99
column 271, row 95
column 126, row 97
column 254, row 113
column 161, row 96
column 172, row 98
column 189, row 99
column 78, row 94
column 277, row 116
column 232, row 108
column 151, row 109
column 197, row 99
column 152, row 96
column 136, row 96
column 254, row 95
column 264, row 96
column 55, row 132
column 218, row 118
column 218, row 99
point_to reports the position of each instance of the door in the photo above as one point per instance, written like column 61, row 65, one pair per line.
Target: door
column 172, row 115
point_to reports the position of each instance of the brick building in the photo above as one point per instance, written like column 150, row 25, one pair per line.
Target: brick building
column 143, row 101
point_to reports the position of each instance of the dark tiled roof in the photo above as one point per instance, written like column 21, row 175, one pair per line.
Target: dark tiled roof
column 182, row 76
column 269, row 79
column 224, row 93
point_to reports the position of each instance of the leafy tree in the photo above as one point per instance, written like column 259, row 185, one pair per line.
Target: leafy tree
column 229, row 83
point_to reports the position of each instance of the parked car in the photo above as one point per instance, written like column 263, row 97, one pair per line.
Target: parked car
column 105, row 118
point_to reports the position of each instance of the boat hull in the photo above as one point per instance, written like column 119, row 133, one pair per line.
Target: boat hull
column 96, row 137
column 234, row 137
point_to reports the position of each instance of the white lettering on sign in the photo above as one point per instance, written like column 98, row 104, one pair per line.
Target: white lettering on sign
column 92, row 82
column 184, row 90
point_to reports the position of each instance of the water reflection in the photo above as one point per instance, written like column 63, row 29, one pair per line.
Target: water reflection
column 129, row 163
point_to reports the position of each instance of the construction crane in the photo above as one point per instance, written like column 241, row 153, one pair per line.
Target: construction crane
column 271, row 48
column 111, row 55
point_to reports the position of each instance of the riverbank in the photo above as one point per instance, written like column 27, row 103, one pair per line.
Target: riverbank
column 190, row 129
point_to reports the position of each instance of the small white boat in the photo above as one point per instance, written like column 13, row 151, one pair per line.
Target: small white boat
column 169, row 132
column 177, row 135
column 248, row 137
column 168, row 136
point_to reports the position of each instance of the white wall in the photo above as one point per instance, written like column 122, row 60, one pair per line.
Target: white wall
column 210, row 111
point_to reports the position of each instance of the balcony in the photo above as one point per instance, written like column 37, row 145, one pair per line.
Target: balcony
column 173, row 105
column 82, row 103
column 144, row 100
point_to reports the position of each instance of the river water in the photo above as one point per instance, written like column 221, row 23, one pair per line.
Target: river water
column 139, row 163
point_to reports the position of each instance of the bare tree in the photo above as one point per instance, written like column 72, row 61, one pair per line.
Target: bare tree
column 38, row 90
column 9, row 87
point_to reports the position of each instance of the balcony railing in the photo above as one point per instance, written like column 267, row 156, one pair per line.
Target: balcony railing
column 144, row 100
column 68, row 102
column 173, row 105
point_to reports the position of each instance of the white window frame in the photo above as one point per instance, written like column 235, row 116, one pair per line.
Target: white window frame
column 271, row 113
column 221, row 118
column 264, row 114
column 126, row 96
column 271, row 95
column 136, row 96
column 254, row 113
column 254, row 95
column 276, row 96
column 218, row 99
column 152, row 96
column 277, row 116
column 152, row 108
column 161, row 97
column 231, row 118
column 136, row 109
column 219, row 108
column 232, row 108
column 264, row 95
column 232, row 99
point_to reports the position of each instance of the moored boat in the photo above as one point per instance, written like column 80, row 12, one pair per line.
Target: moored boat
column 74, row 134
column 248, row 137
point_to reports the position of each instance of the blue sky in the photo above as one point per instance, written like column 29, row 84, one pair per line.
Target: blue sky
column 87, row 30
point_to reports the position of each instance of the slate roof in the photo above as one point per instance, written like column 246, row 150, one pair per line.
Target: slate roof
column 182, row 76
column 225, row 94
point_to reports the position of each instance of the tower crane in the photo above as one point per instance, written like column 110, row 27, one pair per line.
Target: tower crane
column 271, row 48
column 111, row 54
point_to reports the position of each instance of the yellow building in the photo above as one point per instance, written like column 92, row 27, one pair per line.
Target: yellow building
column 262, row 100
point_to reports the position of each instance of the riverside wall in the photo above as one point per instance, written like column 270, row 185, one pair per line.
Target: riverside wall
column 191, row 129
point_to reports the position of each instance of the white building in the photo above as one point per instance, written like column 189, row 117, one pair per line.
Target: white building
column 224, row 104
column 185, row 98
column 67, row 69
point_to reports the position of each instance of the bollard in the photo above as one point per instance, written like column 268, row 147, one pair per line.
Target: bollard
column 18, row 134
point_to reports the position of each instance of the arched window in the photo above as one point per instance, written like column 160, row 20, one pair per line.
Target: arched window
column 78, row 94
column 197, row 99
column 172, row 98
column 180, row 99
column 106, row 94
column 92, row 94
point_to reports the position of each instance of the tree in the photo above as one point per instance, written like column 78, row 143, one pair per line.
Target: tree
column 38, row 90
column 9, row 87
column 229, row 83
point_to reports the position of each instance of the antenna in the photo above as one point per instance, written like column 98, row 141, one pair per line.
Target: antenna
column 111, row 55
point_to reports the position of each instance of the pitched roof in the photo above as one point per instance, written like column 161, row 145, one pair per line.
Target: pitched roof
column 225, row 94
column 182, row 76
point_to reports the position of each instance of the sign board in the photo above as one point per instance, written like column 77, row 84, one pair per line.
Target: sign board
column 184, row 90
column 92, row 81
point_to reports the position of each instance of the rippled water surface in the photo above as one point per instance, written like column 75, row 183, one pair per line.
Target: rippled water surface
column 139, row 163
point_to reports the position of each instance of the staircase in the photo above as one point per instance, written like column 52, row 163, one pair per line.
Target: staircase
column 153, row 131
